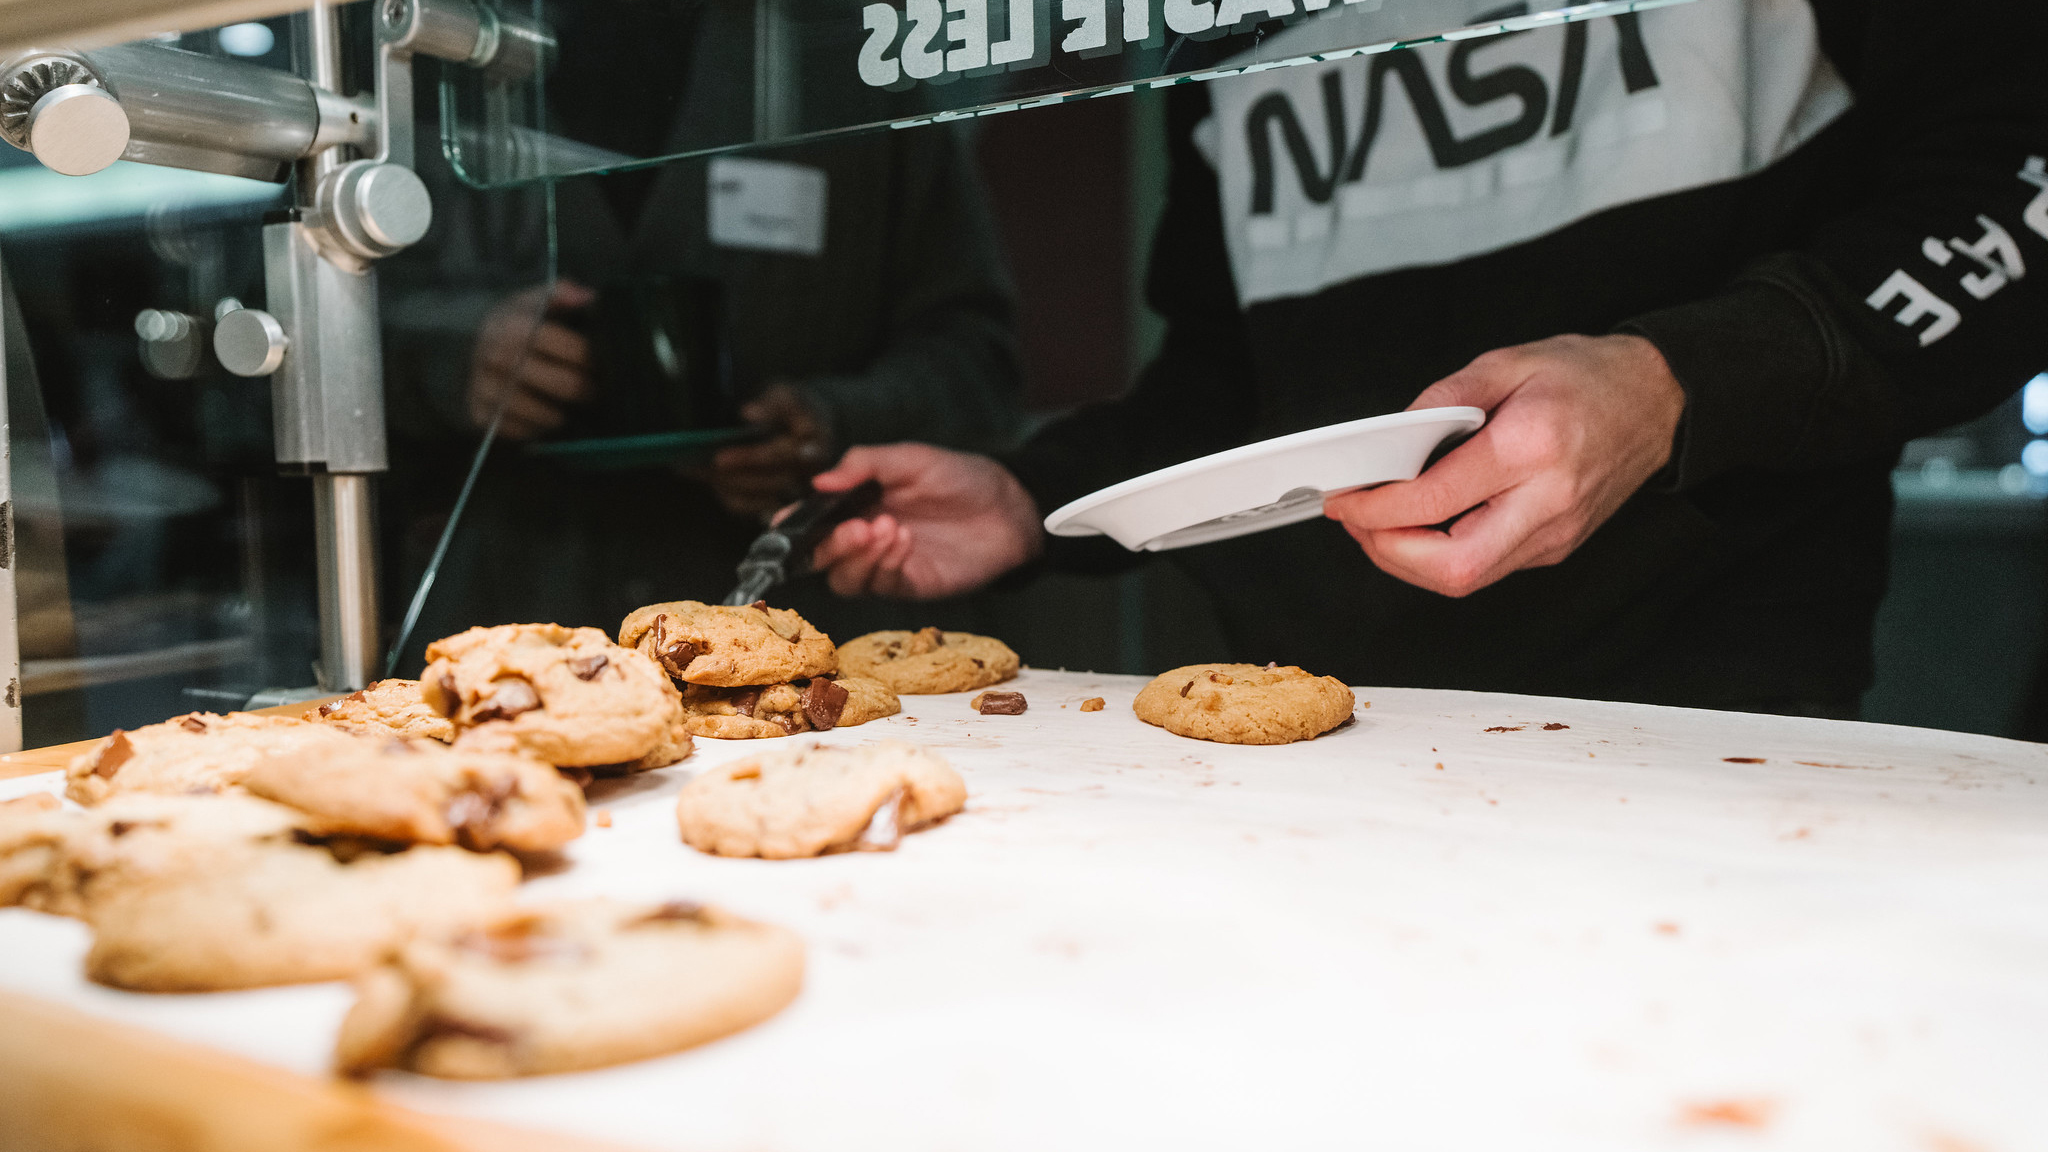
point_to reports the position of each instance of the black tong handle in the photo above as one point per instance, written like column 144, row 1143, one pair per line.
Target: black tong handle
column 816, row 515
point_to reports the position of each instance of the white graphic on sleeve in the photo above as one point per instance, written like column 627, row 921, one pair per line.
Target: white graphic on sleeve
column 1414, row 158
column 1989, row 263
column 1921, row 303
column 2036, row 214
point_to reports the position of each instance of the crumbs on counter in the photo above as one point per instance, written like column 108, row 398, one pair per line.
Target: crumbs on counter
column 1092, row 704
column 1507, row 728
column 602, row 817
column 1742, row 760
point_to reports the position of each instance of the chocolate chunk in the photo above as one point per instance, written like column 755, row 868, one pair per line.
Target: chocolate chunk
column 1000, row 703
column 670, row 912
column 587, row 667
column 510, row 696
column 978, row 662
column 120, row 828
column 761, row 604
column 1184, row 688
column 118, row 751
column 447, row 700
column 192, row 724
column 824, row 701
column 790, row 724
column 745, row 700
column 470, row 810
column 673, row 654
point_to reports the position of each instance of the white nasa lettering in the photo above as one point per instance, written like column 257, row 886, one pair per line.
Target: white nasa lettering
column 927, row 20
column 1022, row 44
column 1190, row 16
column 877, row 69
column 1093, row 31
column 1232, row 12
column 2036, row 215
column 968, row 29
column 1137, row 20
column 1921, row 303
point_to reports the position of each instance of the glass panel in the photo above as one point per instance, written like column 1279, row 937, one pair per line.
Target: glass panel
column 163, row 563
column 634, row 82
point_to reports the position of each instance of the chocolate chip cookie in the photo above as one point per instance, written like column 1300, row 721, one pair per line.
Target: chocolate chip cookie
column 816, row 705
column 196, row 752
column 386, row 708
column 814, row 800
column 567, row 986
column 422, row 792
column 928, row 661
column 729, row 647
column 195, row 893
column 284, row 912
column 1244, row 703
column 568, row 696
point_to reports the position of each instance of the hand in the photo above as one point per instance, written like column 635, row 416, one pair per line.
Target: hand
column 529, row 364
column 754, row 479
column 948, row 523
column 1577, row 425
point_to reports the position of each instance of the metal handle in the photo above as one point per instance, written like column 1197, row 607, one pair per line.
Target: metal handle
column 816, row 515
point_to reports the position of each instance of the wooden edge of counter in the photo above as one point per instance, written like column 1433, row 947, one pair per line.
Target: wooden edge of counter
column 55, row 757
column 73, row 1082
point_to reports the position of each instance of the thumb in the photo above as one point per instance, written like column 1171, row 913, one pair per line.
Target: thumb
column 1482, row 384
column 895, row 465
column 569, row 294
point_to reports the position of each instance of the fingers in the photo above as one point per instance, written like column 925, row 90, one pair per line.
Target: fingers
column 860, row 465
column 1470, row 475
column 1479, row 549
column 555, row 381
column 560, row 343
column 856, row 551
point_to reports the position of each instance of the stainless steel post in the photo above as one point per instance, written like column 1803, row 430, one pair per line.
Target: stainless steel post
column 346, row 547
column 10, row 607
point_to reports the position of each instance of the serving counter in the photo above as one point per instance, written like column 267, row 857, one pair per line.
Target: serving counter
column 1467, row 921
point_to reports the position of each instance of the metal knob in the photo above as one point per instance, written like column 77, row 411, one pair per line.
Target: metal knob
column 77, row 129
column 250, row 342
column 173, row 344
column 376, row 208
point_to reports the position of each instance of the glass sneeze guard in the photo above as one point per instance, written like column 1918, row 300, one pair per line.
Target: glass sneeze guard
column 722, row 74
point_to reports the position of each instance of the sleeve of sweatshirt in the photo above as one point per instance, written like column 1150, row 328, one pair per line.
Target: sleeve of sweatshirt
column 1921, row 298
column 1196, row 396
column 948, row 372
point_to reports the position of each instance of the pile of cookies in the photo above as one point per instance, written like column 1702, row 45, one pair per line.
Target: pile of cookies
column 753, row 672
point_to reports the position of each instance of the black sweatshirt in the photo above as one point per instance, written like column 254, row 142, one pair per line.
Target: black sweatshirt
column 1831, row 216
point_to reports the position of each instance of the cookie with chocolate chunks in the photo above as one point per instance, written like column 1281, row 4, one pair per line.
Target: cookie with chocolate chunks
column 196, row 752
column 809, row 801
column 568, row 696
column 729, row 647
column 1244, row 703
column 422, row 792
column 567, row 986
column 928, row 661
column 386, row 708
column 815, row 705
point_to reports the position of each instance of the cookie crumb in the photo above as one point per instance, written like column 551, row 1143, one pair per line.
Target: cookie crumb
column 602, row 817
column 1742, row 760
column 998, row 703
column 1092, row 704
column 1439, row 764
column 1555, row 727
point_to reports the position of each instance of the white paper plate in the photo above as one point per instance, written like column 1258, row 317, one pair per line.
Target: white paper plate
column 1259, row 486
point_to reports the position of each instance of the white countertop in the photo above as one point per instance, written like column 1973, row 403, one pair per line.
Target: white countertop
column 1599, row 936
